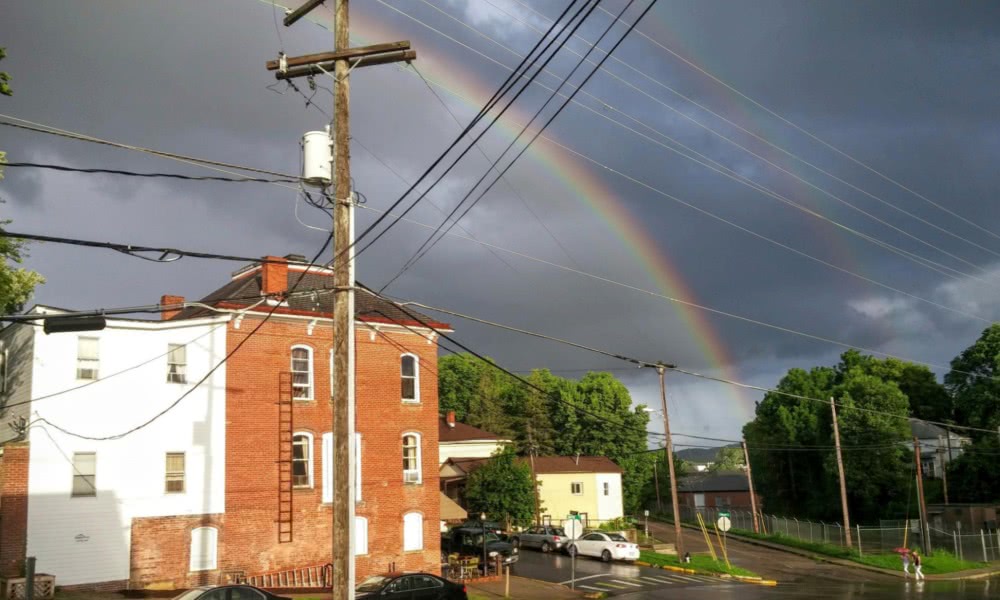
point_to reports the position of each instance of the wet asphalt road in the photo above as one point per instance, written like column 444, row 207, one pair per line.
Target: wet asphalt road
column 623, row 580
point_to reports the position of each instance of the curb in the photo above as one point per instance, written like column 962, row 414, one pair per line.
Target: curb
column 741, row 578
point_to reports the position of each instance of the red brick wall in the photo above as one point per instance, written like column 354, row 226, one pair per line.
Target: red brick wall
column 252, row 450
column 740, row 500
column 13, row 508
column 160, row 554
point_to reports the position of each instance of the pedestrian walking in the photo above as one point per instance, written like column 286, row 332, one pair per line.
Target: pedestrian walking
column 917, row 565
column 905, row 555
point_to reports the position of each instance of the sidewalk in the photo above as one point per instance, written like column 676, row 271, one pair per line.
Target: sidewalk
column 522, row 588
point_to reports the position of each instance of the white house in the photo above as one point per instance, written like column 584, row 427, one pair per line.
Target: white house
column 938, row 447
column 116, row 430
column 458, row 440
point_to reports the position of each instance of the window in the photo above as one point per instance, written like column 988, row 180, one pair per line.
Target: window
column 425, row 582
column 409, row 379
column 3, row 369
column 328, row 467
column 175, row 472
column 607, row 488
column 87, row 360
column 411, row 458
column 302, row 460
column 357, row 467
column 176, row 363
column 204, row 542
column 413, row 531
column 576, row 488
column 302, row 373
column 240, row 592
column 360, row 536
column 84, row 474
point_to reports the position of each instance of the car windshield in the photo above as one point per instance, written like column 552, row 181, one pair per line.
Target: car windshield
column 558, row 531
column 617, row 537
column 372, row 584
column 490, row 537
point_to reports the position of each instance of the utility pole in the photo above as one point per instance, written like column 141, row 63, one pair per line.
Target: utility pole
column 534, row 478
column 669, row 451
column 341, row 61
column 656, row 483
column 925, row 531
column 944, row 474
column 753, row 497
column 840, row 469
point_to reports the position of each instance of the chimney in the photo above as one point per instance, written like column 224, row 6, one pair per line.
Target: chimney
column 451, row 418
column 274, row 275
column 168, row 299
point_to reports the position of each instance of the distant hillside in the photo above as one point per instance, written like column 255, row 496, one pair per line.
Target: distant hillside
column 702, row 455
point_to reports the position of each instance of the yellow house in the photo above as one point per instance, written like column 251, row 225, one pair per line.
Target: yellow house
column 590, row 486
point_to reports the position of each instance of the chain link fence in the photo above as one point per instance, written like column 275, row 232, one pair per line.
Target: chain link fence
column 888, row 536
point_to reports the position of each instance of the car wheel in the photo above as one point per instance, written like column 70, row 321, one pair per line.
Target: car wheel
column 571, row 550
column 606, row 556
column 546, row 547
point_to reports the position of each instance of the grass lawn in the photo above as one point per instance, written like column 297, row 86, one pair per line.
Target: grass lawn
column 937, row 563
column 478, row 596
column 699, row 562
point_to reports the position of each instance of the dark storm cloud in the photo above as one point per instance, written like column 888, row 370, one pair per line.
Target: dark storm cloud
column 904, row 86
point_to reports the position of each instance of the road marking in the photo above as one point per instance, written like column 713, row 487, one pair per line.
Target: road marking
column 686, row 578
column 654, row 580
column 569, row 581
column 669, row 580
column 610, row 585
column 626, row 583
column 587, row 587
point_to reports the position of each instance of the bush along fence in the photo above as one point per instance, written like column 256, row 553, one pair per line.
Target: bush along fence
column 887, row 537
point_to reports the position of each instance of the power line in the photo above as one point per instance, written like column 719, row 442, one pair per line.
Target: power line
column 768, row 142
column 718, row 167
column 695, row 305
column 151, row 175
column 495, row 99
column 40, row 128
column 431, row 242
column 218, row 365
column 810, row 134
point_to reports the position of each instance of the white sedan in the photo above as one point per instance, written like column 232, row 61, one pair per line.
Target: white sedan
column 606, row 546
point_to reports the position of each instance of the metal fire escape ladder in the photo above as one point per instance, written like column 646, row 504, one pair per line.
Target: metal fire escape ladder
column 285, row 455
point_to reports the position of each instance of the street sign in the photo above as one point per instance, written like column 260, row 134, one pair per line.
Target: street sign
column 573, row 526
column 724, row 513
column 645, row 513
column 723, row 523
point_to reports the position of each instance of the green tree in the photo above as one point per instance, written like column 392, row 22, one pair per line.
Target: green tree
column 973, row 381
column 5, row 88
column 728, row 459
column 805, row 482
column 973, row 476
column 503, row 489
column 475, row 391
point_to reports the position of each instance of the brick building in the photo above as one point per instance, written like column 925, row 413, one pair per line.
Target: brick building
column 241, row 477
column 723, row 489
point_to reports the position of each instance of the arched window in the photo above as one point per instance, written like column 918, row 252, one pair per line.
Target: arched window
column 410, row 378
column 204, row 548
column 411, row 458
column 302, row 459
column 413, row 531
column 302, row 373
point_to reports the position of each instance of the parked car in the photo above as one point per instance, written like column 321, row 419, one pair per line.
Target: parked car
column 545, row 538
column 468, row 541
column 490, row 526
column 228, row 592
column 409, row 586
column 606, row 546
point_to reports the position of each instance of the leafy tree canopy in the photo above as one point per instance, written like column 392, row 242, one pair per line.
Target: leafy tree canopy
column 503, row 489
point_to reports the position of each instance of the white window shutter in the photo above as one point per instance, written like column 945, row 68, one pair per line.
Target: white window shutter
column 413, row 532
column 327, row 468
column 204, row 544
column 357, row 468
column 360, row 536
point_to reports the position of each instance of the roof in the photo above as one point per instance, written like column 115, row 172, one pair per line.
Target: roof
column 245, row 289
column 733, row 481
column 460, row 432
column 570, row 464
column 450, row 510
column 466, row 465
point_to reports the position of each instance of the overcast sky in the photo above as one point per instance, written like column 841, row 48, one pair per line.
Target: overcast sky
column 896, row 101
